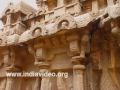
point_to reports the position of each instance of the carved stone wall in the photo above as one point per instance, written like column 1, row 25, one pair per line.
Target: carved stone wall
column 79, row 37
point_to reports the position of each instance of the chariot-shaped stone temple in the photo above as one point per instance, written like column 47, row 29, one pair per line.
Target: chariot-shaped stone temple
column 80, row 37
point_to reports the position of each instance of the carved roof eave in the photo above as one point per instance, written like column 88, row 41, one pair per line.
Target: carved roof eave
column 52, row 28
column 78, row 22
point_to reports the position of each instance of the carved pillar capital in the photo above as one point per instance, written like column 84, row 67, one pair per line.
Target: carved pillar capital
column 41, row 58
column 77, row 60
column 13, row 68
column 74, row 44
column 79, row 67
column 78, row 50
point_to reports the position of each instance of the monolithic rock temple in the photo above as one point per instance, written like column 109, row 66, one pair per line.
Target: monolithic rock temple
column 81, row 37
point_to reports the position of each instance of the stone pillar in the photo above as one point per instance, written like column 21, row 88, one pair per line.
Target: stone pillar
column 37, row 84
column 78, row 63
column 9, row 56
column 13, row 83
column 42, row 63
column 78, row 74
column 45, row 82
column 110, row 2
column 61, row 83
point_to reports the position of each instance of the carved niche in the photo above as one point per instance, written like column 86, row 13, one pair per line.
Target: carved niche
column 65, row 22
column 38, row 30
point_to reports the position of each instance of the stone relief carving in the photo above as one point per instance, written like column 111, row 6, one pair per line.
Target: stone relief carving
column 36, row 32
column 13, row 39
column 61, row 23
column 64, row 25
column 65, row 22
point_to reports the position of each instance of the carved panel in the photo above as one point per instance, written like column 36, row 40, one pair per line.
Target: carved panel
column 65, row 22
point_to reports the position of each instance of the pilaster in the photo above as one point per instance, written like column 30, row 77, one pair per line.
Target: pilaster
column 43, row 64
column 78, row 63
column 12, row 81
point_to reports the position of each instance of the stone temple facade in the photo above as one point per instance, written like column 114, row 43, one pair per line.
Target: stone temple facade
column 81, row 37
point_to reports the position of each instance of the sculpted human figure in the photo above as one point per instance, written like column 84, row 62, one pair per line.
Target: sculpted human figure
column 64, row 25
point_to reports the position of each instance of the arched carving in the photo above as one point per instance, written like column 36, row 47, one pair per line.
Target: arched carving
column 36, row 32
column 7, row 11
column 65, row 22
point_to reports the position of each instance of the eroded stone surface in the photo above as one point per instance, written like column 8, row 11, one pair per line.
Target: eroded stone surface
column 80, row 37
